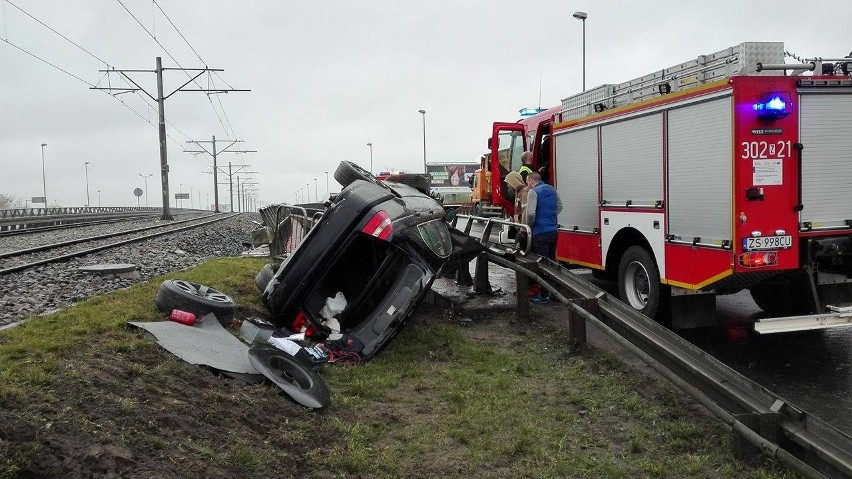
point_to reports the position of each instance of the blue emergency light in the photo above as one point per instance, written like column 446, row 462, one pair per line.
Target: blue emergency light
column 772, row 107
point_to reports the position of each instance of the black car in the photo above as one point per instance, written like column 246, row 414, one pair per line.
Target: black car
column 380, row 244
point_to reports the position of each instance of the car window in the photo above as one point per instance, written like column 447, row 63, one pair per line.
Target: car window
column 437, row 237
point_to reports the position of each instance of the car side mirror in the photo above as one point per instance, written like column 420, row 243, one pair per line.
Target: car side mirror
column 488, row 146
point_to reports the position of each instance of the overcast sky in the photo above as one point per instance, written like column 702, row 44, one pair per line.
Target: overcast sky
column 327, row 77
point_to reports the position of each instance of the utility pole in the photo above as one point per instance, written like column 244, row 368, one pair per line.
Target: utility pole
column 160, row 99
column 214, row 153
column 231, row 173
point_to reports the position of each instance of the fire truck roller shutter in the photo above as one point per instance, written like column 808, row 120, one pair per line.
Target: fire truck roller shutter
column 577, row 178
column 632, row 161
column 699, row 164
column 826, row 134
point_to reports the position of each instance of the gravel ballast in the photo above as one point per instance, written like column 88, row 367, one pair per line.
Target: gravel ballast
column 54, row 286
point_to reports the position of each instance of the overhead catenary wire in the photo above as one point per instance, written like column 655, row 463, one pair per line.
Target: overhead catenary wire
column 88, row 52
column 172, row 58
column 219, row 99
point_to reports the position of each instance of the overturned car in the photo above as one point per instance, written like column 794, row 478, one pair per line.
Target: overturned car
column 366, row 262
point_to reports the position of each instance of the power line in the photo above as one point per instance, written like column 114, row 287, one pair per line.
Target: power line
column 179, row 32
column 171, row 56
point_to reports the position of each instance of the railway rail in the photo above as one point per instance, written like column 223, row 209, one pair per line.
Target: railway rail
column 20, row 260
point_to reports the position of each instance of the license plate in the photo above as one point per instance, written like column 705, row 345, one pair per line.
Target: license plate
column 767, row 242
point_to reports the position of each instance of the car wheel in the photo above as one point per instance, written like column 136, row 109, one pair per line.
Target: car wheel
column 419, row 182
column 264, row 276
column 347, row 172
column 298, row 380
column 639, row 281
column 195, row 298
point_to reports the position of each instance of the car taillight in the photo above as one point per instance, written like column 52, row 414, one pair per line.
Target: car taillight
column 300, row 325
column 758, row 259
column 380, row 225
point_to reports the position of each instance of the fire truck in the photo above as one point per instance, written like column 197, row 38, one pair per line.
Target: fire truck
column 730, row 171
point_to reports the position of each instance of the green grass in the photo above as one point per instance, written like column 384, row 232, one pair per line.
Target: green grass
column 487, row 400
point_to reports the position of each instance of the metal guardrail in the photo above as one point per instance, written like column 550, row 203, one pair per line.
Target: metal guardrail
column 71, row 210
column 487, row 232
column 288, row 225
column 772, row 425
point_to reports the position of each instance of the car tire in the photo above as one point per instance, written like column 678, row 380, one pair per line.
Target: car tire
column 419, row 182
column 347, row 172
column 264, row 276
column 195, row 298
column 297, row 379
column 639, row 281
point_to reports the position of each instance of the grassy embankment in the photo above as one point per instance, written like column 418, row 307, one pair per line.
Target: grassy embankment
column 82, row 395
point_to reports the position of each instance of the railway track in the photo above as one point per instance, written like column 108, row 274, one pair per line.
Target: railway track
column 20, row 260
column 64, row 226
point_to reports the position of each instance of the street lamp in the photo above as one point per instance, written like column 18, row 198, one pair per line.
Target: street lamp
column 423, row 112
column 327, row 193
column 43, row 178
column 371, row 156
column 88, row 201
column 146, row 185
column 308, row 186
column 99, row 197
column 316, row 191
column 582, row 17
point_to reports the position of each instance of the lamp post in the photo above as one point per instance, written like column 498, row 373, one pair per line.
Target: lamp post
column 582, row 17
column 316, row 191
column 88, row 201
column 146, row 185
column 99, row 197
column 43, row 178
column 371, row 156
column 327, row 193
column 423, row 112
column 308, row 186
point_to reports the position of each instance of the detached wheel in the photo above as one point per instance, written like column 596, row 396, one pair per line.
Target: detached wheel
column 195, row 298
column 264, row 276
column 639, row 281
column 300, row 382
column 347, row 172
column 419, row 182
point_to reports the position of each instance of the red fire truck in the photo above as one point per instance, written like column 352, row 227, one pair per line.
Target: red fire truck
column 731, row 171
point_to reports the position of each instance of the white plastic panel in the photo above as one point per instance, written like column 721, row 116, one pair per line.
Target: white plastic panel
column 577, row 178
column 649, row 224
column 826, row 135
column 699, row 162
column 632, row 161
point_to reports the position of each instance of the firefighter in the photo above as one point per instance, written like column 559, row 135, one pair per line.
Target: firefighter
column 526, row 165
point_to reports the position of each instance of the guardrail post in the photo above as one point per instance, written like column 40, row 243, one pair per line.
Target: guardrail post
column 577, row 324
column 768, row 425
column 522, row 282
column 463, row 277
column 480, row 278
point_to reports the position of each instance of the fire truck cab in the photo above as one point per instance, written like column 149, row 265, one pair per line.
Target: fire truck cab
column 718, row 174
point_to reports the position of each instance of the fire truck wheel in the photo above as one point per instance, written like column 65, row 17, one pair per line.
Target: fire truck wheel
column 639, row 281
column 347, row 172
column 782, row 298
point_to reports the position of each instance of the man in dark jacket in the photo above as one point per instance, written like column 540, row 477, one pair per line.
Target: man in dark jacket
column 543, row 207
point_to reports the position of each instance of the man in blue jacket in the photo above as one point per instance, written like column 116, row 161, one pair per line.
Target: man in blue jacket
column 543, row 207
